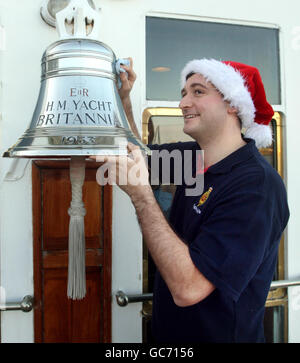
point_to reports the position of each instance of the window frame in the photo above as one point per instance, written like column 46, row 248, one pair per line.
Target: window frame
column 242, row 22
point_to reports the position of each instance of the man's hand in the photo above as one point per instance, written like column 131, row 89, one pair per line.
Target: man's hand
column 127, row 81
column 124, row 93
column 130, row 173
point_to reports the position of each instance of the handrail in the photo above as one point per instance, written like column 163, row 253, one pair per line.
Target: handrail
column 284, row 283
column 25, row 305
column 124, row 299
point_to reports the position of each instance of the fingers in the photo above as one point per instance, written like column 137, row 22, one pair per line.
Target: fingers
column 130, row 63
column 126, row 171
column 131, row 76
column 129, row 70
column 98, row 158
column 134, row 155
column 134, row 152
column 125, row 80
column 131, row 146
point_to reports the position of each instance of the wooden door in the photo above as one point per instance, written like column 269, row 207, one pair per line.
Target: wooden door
column 56, row 318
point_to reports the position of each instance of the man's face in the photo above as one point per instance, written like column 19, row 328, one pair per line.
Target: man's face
column 203, row 108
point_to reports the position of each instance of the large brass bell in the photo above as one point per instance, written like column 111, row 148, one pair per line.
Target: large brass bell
column 79, row 111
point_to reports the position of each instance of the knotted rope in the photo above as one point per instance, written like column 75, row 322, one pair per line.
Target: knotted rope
column 76, row 267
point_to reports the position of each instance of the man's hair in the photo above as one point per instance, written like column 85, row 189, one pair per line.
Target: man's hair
column 189, row 75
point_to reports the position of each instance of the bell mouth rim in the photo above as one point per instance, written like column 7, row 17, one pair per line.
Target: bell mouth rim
column 74, row 141
column 114, row 151
column 61, row 156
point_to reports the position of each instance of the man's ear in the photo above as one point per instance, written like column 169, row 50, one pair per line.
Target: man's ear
column 232, row 110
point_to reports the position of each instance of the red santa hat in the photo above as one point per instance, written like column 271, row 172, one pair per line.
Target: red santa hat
column 242, row 86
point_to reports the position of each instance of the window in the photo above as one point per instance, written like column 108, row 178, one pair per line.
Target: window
column 171, row 43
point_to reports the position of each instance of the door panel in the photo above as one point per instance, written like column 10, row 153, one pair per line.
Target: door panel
column 68, row 320
column 57, row 197
column 57, row 318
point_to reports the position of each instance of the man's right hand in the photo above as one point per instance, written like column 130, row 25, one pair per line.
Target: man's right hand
column 124, row 93
column 127, row 81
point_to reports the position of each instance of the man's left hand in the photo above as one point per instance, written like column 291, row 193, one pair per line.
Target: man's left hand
column 130, row 173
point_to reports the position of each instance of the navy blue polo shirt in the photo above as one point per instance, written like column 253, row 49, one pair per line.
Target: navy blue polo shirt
column 233, row 230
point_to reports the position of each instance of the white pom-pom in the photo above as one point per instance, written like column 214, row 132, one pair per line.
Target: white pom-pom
column 262, row 134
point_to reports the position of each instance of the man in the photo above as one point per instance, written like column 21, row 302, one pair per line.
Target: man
column 217, row 255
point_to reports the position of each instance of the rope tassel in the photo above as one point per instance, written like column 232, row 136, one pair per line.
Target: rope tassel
column 76, row 267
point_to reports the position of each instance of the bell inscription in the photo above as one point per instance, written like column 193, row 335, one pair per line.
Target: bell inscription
column 79, row 140
column 76, row 112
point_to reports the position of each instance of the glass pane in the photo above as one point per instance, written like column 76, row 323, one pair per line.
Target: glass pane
column 274, row 324
column 165, row 129
column 171, row 43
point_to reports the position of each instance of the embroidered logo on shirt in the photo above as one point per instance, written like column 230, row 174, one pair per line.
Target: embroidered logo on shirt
column 202, row 200
column 204, row 197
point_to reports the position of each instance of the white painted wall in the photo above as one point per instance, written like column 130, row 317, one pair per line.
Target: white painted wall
column 16, row 256
column 123, row 28
column 20, row 84
column 126, row 269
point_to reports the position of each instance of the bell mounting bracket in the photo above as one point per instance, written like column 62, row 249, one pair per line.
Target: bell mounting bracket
column 78, row 19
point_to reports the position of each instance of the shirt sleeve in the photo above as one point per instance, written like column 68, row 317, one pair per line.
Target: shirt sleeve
column 232, row 241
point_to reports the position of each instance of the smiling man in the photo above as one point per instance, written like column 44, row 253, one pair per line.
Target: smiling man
column 209, row 120
column 216, row 256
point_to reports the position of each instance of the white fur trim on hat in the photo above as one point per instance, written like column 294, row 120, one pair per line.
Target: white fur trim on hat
column 262, row 134
column 228, row 81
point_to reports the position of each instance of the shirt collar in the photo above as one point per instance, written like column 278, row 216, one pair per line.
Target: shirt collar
column 242, row 154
